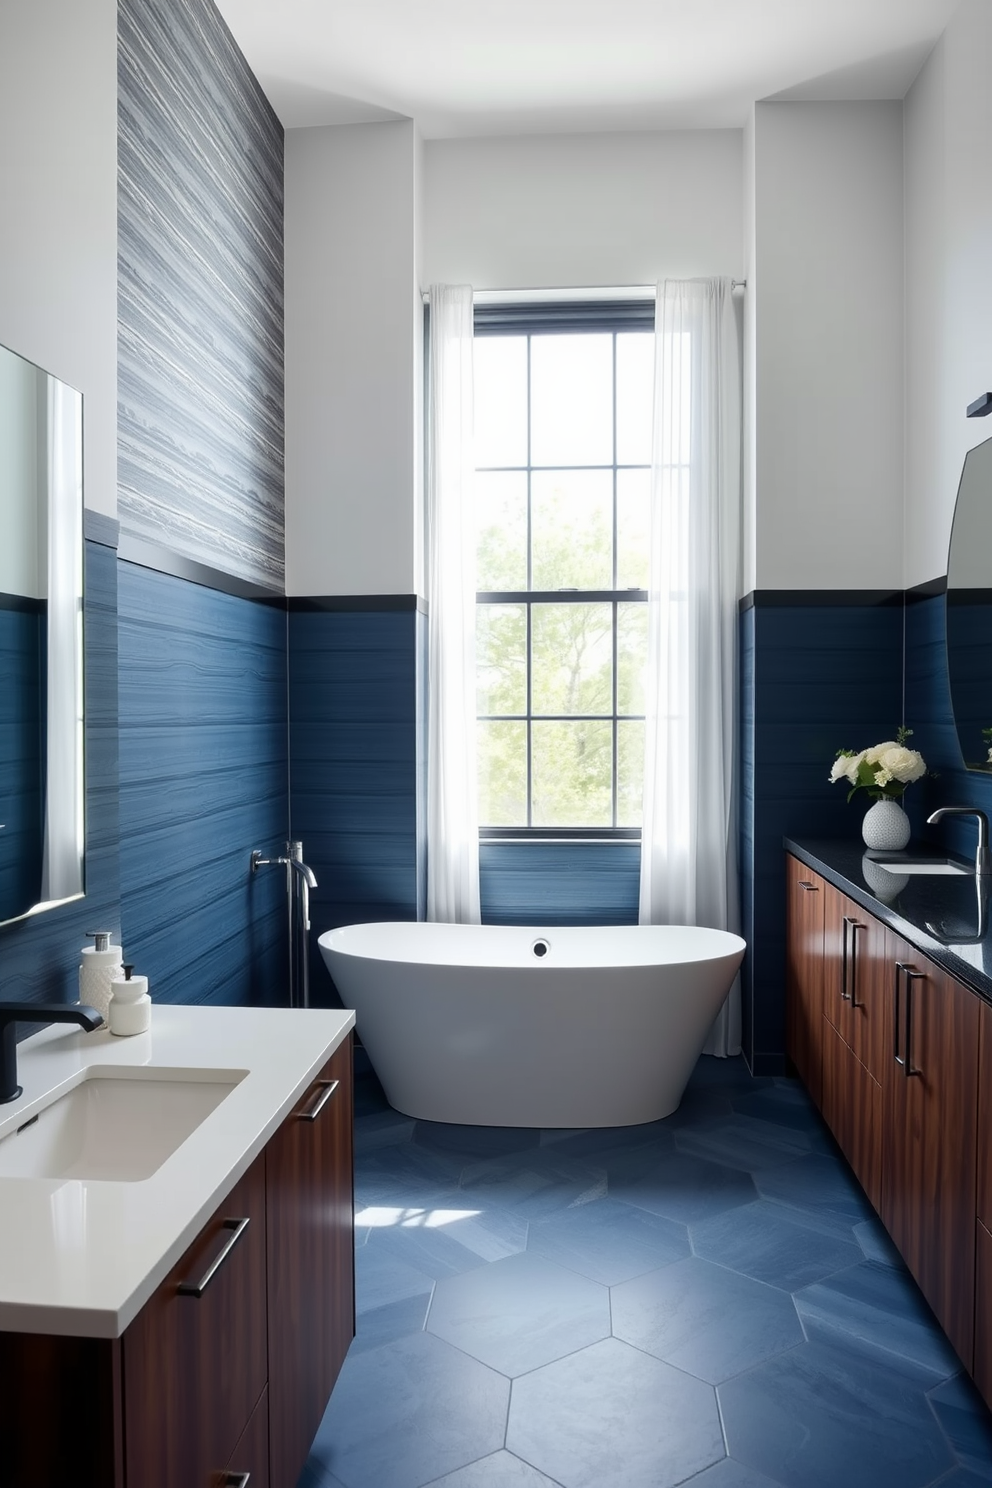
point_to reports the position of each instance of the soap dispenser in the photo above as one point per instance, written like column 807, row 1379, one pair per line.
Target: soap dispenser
column 130, row 1006
column 101, row 963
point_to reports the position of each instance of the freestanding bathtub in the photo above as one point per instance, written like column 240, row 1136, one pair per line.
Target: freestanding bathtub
column 500, row 1026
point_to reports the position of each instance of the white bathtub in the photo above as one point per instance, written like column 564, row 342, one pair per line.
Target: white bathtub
column 502, row 1026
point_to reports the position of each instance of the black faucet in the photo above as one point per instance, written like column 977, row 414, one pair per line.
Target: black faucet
column 35, row 1012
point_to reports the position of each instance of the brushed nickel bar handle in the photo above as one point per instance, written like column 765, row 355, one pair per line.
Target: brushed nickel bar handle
column 237, row 1480
column 900, row 966
column 811, row 888
column 197, row 1288
column 853, row 995
column 314, row 1111
column 911, row 977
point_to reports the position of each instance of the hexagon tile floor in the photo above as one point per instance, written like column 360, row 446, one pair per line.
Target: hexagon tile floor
column 707, row 1300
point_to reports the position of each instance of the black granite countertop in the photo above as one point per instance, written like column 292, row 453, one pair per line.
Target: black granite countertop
column 946, row 917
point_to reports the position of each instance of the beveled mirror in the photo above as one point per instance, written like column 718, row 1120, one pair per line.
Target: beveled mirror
column 41, row 640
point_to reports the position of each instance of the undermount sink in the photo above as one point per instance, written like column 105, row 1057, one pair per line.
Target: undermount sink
column 924, row 865
column 116, row 1124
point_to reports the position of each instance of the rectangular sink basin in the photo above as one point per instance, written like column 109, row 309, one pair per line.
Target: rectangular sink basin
column 115, row 1124
column 923, row 866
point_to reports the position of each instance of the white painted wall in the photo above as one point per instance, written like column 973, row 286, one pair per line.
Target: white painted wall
column 21, row 419
column 576, row 210
column 58, row 186
column 749, row 480
column 948, row 125
column 829, row 345
column 352, row 347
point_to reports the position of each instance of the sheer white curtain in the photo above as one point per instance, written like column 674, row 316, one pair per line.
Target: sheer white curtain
column 452, row 805
column 689, row 839
column 62, row 861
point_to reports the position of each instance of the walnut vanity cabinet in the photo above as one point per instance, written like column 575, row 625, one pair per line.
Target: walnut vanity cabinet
column 898, row 1087
column 929, row 1136
column 983, row 1223
column 227, row 1368
column 804, row 972
column 311, row 1257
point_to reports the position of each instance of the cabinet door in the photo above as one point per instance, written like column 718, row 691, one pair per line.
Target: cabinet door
column 852, row 1108
column 311, row 1263
column 194, row 1359
column 931, row 1100
column 804, row 972
column 855, row 974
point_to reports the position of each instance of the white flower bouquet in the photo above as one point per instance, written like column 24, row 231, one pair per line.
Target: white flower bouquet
column 884, row 770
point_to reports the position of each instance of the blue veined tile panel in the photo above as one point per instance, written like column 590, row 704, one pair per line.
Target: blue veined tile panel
column 824, row 678
column 200, row 293
column 22, row 811
column 203, row 780
column 560, row 883
column 353, row 700
column 39, row 957
column 928, row 707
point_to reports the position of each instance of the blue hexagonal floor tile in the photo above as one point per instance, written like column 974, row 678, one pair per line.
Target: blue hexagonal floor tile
column 519, row 1313
column 743, row 1142
column 608, row 1242
column 705, row 1319
column 685, row 1188
column 407, row 1413
column 820, row 1187
column 879, row 1313
column 731, row 1474
column 501, row 1470
column 766, row 1242
column 967, row 1424
column 611, row 1415
column 820, row 1417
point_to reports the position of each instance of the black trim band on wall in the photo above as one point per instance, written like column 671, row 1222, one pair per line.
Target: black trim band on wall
column 164, row 560
column 928, row 590
column 816, row 598
column 310, row 604
column 101, row 529
column 23, row 603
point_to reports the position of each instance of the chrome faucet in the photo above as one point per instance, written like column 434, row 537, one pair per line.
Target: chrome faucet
column 299, row 916
column 982, row 863
column 35, row 1012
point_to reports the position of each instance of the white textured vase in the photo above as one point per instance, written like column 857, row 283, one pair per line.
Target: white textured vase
column 886, row 827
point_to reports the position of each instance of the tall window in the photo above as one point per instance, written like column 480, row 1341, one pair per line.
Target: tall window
column 563, row 404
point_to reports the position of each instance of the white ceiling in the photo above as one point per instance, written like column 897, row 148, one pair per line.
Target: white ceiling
column 480, row 67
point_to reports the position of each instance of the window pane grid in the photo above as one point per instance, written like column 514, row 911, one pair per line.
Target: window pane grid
column 576, row 745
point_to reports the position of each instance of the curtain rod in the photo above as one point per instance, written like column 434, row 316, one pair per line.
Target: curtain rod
column 577, row 292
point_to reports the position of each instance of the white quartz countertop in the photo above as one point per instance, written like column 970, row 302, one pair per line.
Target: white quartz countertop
column 81, row 1256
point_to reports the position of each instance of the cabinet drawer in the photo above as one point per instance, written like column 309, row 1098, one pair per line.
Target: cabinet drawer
column 250, row 1458
column 852, row 1108
column 194, row 1359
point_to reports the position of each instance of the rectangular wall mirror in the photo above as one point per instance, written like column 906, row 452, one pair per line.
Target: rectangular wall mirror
column 41, row 640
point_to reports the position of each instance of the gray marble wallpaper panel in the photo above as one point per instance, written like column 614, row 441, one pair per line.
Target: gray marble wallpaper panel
column 200, row 296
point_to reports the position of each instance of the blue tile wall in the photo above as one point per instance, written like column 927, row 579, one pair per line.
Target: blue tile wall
column 39, row 957
column 203, row 780
column 969, row 639
column 22, row 809
column 559, row 883
column 200, row 293
column 928, row 706
column 356, row 721
column 817, row 678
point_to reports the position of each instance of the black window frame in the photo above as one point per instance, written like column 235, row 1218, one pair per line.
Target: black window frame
column 557, row 318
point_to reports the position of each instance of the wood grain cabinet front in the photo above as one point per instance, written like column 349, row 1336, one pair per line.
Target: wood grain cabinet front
column 899, row 1088
column 222, row 1378
column 195, row 1356
column 311, row 1257
column 805, row 895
